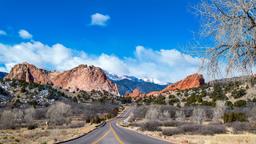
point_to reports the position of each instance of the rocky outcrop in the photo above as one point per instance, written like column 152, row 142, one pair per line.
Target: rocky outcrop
column 135, row 93
column 29, row 73
column 83, row 77
column 191, row 81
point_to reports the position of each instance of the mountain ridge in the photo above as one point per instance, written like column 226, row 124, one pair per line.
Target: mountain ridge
column 82, row 77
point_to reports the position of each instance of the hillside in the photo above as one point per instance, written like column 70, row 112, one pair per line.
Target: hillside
column 236, row 92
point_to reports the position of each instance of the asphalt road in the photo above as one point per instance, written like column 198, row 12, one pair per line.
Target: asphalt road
column 110, row 133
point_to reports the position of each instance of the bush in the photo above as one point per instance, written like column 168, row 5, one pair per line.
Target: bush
column 229, row 104
column 29, row 115
column 31, row 127
column 240, row 126
column 232, row 117
column 76, row 125
column 240, row 103
column 140, row 112
column 7, row 120
column 212, row 129
column 195, row 129
column 151, row 126
column 172, row 131
column 238, row 93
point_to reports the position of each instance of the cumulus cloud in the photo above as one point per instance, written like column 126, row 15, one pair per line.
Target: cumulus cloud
column 2, row 33
column 99, row 19
column 25, row 34
column 166, row 65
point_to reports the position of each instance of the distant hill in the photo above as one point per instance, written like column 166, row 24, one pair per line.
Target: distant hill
column 127, row 84
column 2, row 75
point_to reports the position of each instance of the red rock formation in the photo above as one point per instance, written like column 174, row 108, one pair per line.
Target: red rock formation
column 135, row 93
column 29, row 73
column 191, row 81
column 83, row 77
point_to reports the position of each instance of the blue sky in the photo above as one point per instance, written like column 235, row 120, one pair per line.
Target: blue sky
column 128, row 31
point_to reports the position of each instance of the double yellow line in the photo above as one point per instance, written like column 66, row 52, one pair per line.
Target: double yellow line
column 106, row 133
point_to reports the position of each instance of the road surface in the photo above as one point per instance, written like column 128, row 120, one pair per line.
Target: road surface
column 110, row 133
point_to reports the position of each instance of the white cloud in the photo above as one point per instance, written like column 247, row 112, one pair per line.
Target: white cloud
column 99, row 19
column 166, row 65
column 3, row 33
column 25, row 34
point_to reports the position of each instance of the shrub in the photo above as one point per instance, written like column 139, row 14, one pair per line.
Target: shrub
column 7, row 120
column 173, row 100
column 32, row 126
column 151, row 126
column 160, row 100
column 172, row 131
column 238, row 93
column 195, row 129
column 212, row 129
column 240, row 103
column 199, row 115
column 217, row 93
column 96, row 119
column 76, row 125
column 29, row 115
column 240, row 126
column 232, row 117
column 229, row 104
column 140, row 112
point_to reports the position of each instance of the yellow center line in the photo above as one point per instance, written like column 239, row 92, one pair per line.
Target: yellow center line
column 116, row 136
column 102, row 137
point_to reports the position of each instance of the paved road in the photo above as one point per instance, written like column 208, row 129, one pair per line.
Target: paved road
column 110, row 133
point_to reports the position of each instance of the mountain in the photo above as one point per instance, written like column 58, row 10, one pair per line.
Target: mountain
column 83, row 77
column 2, row 75
column 127, row 84
column 191, row 81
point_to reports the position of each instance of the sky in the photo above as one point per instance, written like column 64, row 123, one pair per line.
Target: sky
column 143, row 38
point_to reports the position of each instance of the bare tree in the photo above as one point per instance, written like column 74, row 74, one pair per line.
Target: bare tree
column 59, row 113
column 180, row 115
column 219, row 111
column 199, row 115
column 231, row 24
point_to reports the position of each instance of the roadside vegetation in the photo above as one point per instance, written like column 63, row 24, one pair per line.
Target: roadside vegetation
column 44, row 109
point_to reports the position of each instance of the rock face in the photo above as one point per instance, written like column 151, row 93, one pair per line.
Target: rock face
column 135, row 93
column 83, row 77
column 29, row 73
column 191, row 81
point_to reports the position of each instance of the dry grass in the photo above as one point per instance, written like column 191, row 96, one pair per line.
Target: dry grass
column 216, row 139
column 40, row 135
column 243, row 138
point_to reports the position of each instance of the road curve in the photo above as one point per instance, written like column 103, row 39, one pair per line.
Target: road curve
column 110, row 133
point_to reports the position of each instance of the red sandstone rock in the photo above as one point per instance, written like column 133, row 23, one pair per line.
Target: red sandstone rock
column 83, row 77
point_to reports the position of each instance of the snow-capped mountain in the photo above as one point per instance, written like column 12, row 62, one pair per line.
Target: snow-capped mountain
column 126, row 83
